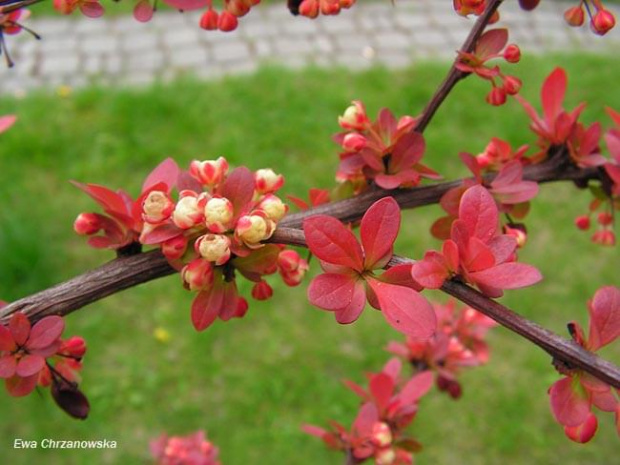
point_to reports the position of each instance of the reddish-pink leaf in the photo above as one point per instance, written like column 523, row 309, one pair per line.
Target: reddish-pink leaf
column 386, row 120
column 569, row 407
column 430, row 272
column 583, row 432
column 29, row 365
column 7, row 366
column 160, row 233
column 401, row 276
column 205, row 308
column 230, row 298
column 502, row 247
column 186, row 181
column 416, row 387
column 407, row 152
column 18, row 386
column 366, row 418
column 507, row 276
column 478, row 212
column 332, row 242
column 513, row 194
column 552, row 94
column 259, row 261
column 6, row 122
column 20, row 328
column 381, row 387
column 450, row 253
column 108, row 199
column 45, row 332
column 331, row 291
column 6, row 339
column 392, row 181
column 479, row 256
column 491, row 43
column 405, row 309
column 357, row 389
column 379, row 229
column 239, row 189
column 392, row 368
column 604, row 317
column 166, row 172
column 471, row 163
column 314, row 431
column 440, row 229
column 351, row 312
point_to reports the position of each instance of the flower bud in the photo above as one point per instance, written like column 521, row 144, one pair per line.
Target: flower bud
column 273, row 207
column 602, row 22
column 262, row 291
column 288, row 260
column 582, row 222
column 354, row 117
column 385, row 457
column 218, row 214
column 209, row 19
column 174, row 248
column 518, row 231
column 227, row 22
column 267, row 181
column 353, row 142
column 497, row 96
column 330, row 8
column 187, row 212
column 574, row 16
column 75, row 347
column 238, row 8
column 512, row 85
column 197, row 274
column 512, row 54
column 209, row 172
column 605, row 218
column 604, row 237
column 309, row 8
column 157, row 207
column 87, row 224
column 242, row 308
column 381, row 434
column 252, row 229
column 214, row 248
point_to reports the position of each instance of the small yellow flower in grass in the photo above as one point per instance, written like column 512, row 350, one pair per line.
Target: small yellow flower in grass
column 64, row 91
column 162, row 335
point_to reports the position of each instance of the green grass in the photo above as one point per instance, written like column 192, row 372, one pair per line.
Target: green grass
column 252, row 382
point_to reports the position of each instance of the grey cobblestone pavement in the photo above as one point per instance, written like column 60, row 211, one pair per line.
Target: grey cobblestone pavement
column 76, row 51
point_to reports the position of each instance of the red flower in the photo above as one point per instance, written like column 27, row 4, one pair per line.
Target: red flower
column 349, row 280
column 23, row 350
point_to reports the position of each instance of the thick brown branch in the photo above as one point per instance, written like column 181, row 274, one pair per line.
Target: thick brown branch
column 455, row 75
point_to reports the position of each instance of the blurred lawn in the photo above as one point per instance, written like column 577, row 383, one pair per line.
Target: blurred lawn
column 251, row 383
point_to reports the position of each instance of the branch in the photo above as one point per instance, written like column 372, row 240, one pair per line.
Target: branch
column 455, row 75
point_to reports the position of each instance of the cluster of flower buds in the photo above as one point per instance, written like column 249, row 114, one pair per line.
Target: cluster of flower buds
column 493, row 44
column 227, row 19
column 473, row 7
column 601, row 19
column 386, row 151
column 312, row 8
column 90, row 8
column 193, row 449
column 35, row 355
column 388, row 407
column 458, row 343
column 604, row 235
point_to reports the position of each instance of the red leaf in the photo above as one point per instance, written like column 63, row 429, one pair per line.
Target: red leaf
column 407, row 152
column 387, row 122
column 205, row 308
column 20, row 328
column 381, row 387
column 379, row 229
column 479, row 256
column 45, row 332
column 259, row 261
column 507, row 276
column 331, row 291
column 491, row 43
column 6, row 339
column 450, row 253
column 416, row 387
column 569, row 408
column 471, row 163
column 351, row 312
column 166, row 172
column 160, row 233
column 401, row 276
column 405, row 309
column 366, row 418
column 604, row 317
column 111, row 201
column 314, row 431
column 18, row 386
column 392, row 368
column 29, row 365
column 7, row 366
column 478, row 212
column 552, row 94
column 332, row 242
column 430, row 272
column 357, row 389
column 239, row 189
column 502, row 247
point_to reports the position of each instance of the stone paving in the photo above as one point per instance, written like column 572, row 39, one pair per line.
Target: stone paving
column 76, row 51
